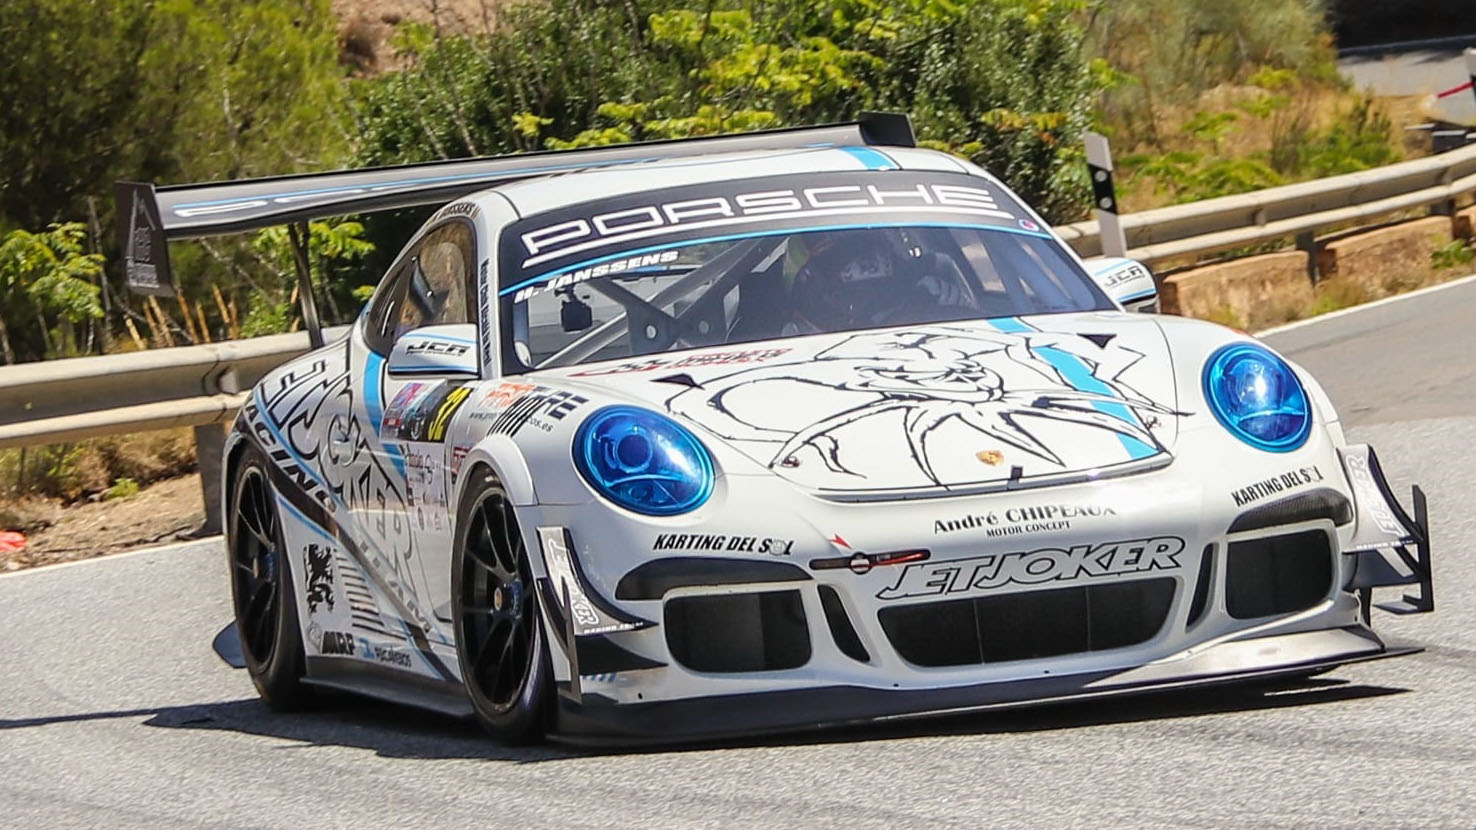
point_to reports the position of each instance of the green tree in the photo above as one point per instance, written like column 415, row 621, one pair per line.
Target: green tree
column 335, row 246
column 47, row 276
column 999, row 81
column 92, row 91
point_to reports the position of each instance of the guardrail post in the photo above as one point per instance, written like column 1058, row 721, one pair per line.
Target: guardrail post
column 1104, row 195
column 209, row 449
column 1307, row 243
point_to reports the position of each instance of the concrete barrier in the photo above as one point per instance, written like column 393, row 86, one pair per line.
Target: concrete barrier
column 1376, row 262
column 1249, row 293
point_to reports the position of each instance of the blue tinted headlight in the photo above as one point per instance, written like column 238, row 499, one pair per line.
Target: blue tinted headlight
column 643, row 461
column 1257, row 397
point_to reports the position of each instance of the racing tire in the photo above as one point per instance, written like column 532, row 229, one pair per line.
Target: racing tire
column 500, row 642
column 261, row 588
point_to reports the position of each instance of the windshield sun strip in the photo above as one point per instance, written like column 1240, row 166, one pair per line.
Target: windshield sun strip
column 758, row 234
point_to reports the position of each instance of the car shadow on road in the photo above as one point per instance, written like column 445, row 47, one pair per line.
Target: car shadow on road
column 400, row 732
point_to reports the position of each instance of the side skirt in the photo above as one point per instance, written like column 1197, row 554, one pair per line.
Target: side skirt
column 390, row 685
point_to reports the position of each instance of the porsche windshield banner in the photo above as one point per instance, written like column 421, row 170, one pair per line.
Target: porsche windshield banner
column 629, row 233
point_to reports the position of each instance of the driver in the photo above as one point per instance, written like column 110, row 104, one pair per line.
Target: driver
column 841, row 280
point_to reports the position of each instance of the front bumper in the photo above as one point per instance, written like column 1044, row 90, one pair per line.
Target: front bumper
column 624, row 676
column 594, row 719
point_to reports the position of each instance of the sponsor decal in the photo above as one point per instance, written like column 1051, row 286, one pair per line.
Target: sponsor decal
column 1017, row 520
column 394, row 414
column 349, row 475
column 849, row 195
column 503, row 395
column 458, row 209
column 425, row 419
column 1369, row 495
column 320, row 567
column 542, row 407
column 454, row 399
column 627, row 234
column 437, row 347
column 388, row 655
column 619, row 266
column 425, row 491
column 337, row 642
column 484, row 308
column 719, row 543
column 1289, row 480
column 1127, row 272
column 709, row 359
column 984, row 573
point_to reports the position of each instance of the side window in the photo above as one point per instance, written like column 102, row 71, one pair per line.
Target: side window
column 430, row 286
column 439, row 273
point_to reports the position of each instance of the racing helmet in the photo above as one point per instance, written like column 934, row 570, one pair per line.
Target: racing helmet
column 842, row 279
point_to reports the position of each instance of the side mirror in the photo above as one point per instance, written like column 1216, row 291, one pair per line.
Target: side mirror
column 436, row 350
column 1127, row 281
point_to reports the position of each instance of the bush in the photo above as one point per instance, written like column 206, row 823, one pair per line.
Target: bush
column 999, row 81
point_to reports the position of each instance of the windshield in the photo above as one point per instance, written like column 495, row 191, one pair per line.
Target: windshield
column 737, row 262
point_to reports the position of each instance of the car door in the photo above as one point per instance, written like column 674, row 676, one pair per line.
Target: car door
column 422, row 358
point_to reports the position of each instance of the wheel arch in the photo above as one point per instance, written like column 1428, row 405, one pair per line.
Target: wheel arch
column 499, row 454
column 235, row 448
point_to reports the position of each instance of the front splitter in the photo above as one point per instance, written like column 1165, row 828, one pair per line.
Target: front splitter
column 597, row 720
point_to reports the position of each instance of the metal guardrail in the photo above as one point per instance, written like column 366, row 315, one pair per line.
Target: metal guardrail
column 1228, row 222
column 84, row 397
column 66, row 400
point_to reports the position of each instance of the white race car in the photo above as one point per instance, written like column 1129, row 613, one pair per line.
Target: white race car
column 699, row 438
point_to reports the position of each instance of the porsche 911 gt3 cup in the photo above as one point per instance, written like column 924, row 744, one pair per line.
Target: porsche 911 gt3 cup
column 703, row 438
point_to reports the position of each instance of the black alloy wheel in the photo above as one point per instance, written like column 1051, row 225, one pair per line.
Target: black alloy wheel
column 500, row 641
column 261, row 587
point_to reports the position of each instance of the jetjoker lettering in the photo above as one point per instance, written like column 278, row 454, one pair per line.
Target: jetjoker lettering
column 719, row 543
column 984, row 573
column 1276, row 484
column 1017, row 520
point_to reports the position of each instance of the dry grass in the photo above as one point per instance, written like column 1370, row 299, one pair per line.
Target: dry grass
column 366, row 26
column 85, row 470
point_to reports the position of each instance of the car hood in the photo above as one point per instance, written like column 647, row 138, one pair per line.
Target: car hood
column 981, row 404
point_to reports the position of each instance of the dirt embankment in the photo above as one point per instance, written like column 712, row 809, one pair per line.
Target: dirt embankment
column 164, row 512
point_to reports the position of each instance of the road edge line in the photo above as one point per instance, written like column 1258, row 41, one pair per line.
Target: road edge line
column 108, row 557
column 1343, row 312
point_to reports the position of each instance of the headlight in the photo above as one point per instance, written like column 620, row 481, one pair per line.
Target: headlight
column 1257, row 397
column 643, row 461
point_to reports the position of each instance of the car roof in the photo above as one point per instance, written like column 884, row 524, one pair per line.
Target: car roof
column 530, row 196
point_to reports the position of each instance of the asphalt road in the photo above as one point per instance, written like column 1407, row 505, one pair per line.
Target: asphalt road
column 115, row 712
column 1425, row 71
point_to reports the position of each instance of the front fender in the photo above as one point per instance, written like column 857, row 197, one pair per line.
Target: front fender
column 506, row 460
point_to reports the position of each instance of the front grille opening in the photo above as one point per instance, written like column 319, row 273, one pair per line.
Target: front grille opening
column 1200, row 602
column 738, row 632
column 841, row 629
column 1024, row 626
column 1277, row 574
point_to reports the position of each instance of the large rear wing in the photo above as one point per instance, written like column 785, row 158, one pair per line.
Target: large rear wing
column 149, row 217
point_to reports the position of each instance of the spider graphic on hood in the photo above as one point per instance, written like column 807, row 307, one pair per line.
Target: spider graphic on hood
column 1008, row 386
